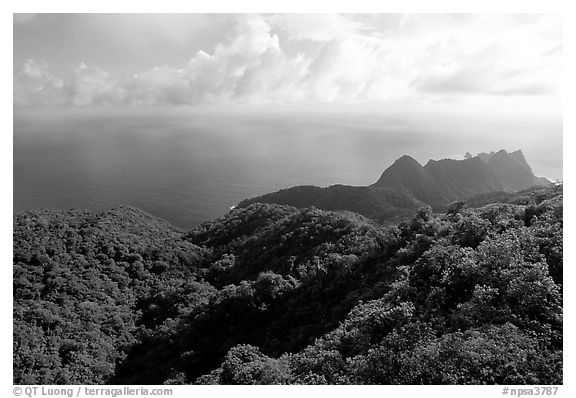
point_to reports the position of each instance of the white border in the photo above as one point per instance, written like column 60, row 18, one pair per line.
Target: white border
column 422, row 6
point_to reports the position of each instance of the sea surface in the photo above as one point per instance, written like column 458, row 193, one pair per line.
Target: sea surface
column 188, row 166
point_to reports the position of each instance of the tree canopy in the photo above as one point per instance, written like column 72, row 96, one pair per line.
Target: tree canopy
column 271, row 294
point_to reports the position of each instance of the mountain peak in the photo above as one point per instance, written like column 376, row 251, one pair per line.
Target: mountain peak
column 406, row 160
column 404, row 164
column 485, row 156
column 518, row 156
column 441, row 179
column 512, row 169
column 404, row 169
column 406, row 185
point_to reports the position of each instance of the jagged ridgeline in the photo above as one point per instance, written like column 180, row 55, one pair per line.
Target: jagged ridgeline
column 275, row 294
column 406, row 186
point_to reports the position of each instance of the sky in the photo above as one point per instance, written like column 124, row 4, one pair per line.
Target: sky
column 116, row 60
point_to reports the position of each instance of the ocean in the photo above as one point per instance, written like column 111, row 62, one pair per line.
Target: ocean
column 190, row 165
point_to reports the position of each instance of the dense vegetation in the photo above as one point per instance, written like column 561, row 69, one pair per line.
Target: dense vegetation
column 274, row 294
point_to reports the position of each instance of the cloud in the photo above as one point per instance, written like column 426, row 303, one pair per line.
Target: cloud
column 529, row 89
column 463, row 81
column 35, row 85
column 496, row 55
column 328, row 58
column 318, row 27
column 93, row 86
column 250, row 67
column 484, row 81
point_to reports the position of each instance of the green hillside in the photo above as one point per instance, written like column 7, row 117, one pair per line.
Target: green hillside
column 278, row 295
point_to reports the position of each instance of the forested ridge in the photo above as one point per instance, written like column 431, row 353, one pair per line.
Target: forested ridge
column 272, row 294
column 407, row 185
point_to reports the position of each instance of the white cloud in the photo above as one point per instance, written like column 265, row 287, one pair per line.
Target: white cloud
column 318, row 27
column 331, row 58
column 92, row 86
column 35, row 85
column 495, row 55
